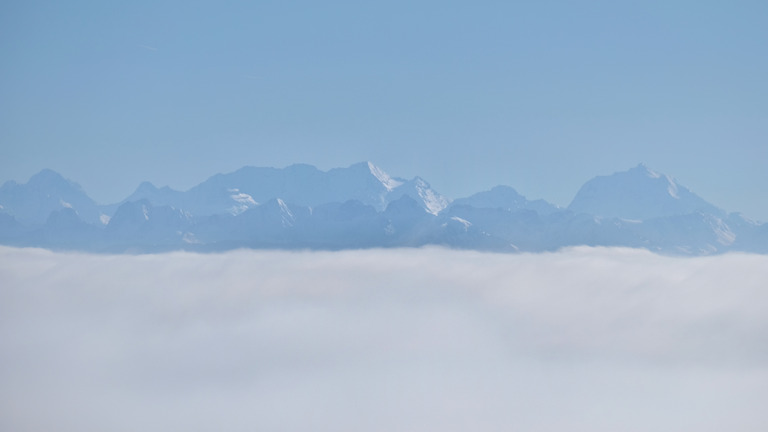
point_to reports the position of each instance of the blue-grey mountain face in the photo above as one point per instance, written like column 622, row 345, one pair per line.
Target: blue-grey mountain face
column 46, row 191
column 506, row 198
column 299, row 184
column 638, row 194
column 157, row 196
column 361, row 206
column 140, row 222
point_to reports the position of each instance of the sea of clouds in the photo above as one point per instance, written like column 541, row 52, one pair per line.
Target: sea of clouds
column 584, row 339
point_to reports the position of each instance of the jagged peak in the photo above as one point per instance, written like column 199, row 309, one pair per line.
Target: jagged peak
column 146, row 186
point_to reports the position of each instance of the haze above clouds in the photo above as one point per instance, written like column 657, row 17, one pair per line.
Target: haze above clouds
column 420, row 339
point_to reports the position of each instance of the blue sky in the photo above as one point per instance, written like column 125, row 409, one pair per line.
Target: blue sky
column 540, row 95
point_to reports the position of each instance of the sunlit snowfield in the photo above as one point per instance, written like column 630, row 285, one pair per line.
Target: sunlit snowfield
column 383, row 340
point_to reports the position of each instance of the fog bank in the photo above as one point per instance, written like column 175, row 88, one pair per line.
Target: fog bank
column 586, row 339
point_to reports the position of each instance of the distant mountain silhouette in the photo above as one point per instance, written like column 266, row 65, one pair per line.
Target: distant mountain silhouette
column 638, row 194
column 361, row 206
column 45, row 192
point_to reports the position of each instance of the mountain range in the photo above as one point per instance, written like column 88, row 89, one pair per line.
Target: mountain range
column 361, row 206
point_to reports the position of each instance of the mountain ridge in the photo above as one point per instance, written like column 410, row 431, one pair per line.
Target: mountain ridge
column 300, row 206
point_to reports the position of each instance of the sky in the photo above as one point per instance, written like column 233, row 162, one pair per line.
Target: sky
column 540, row 96
column 585, row 339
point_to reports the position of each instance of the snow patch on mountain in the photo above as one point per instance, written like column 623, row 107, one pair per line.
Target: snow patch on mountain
column 672, row 189
column 725, row 236
column 433, row 202
column 190, row 238
column 243, row 201
column 383, row 177
column 288, row 218
column 464, row 222
column 647, row 171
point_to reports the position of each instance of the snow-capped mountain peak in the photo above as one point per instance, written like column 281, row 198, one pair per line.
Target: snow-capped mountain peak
column 637, row 194
column 363, row 206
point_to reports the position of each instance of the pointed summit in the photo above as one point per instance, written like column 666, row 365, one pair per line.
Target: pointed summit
column 638, row 193
column 418, row 189
column 45, row 192
column 47, row 176
column 146, row 187
column 156, row 196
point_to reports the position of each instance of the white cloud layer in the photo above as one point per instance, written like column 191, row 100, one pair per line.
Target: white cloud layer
column 383, row 340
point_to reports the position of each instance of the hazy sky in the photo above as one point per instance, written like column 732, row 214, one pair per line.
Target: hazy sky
column 539, row 95
column 383, row 340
